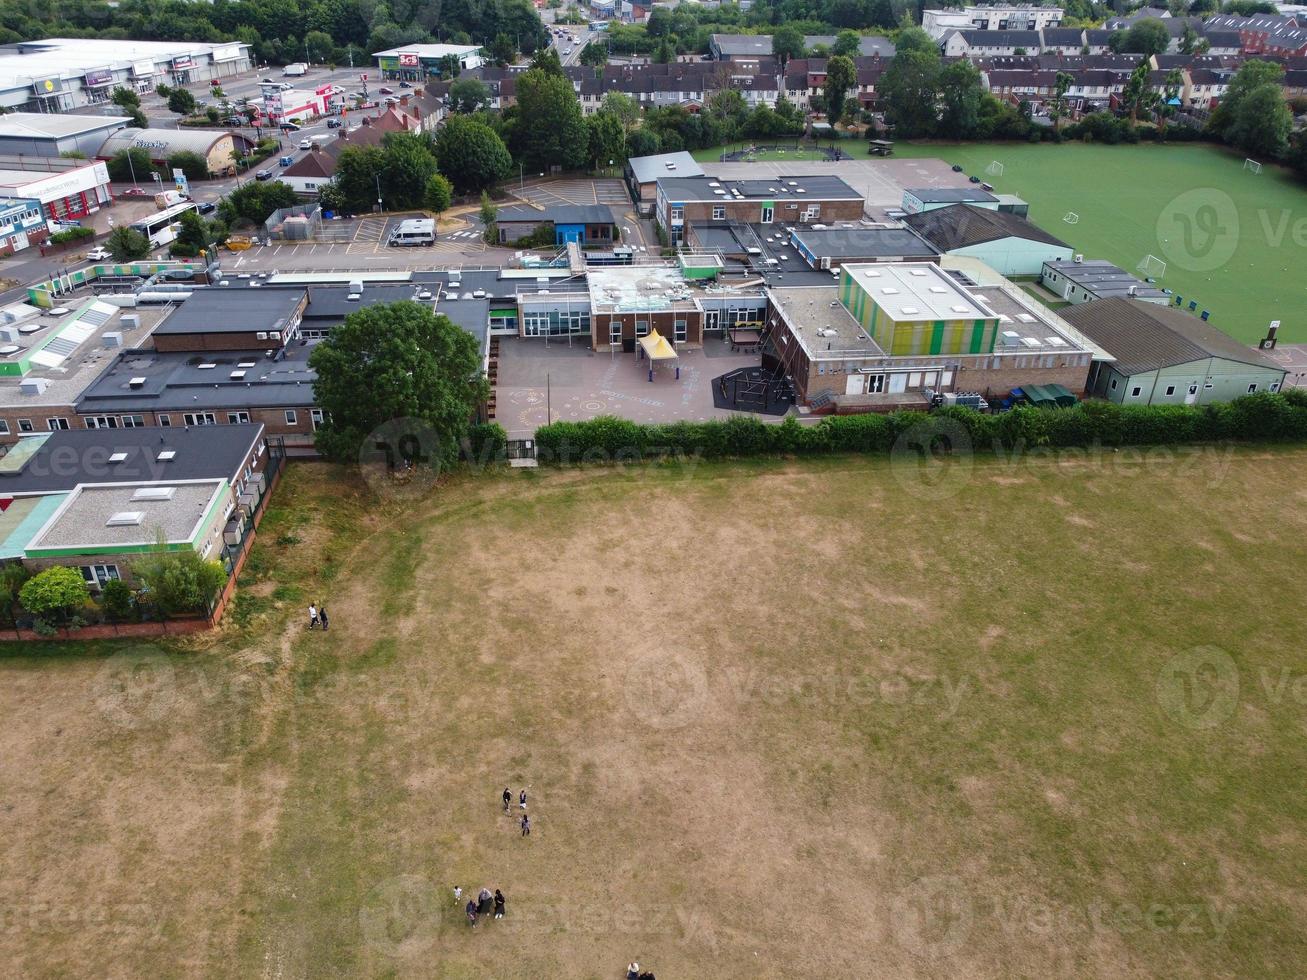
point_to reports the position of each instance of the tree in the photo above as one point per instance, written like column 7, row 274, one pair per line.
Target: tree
column 179, row 581
column 117, row 600
column 126, row 244
column 320, row 46
column 193, row 235
column 643, row 142
column 438, row 195
column 908, row 90
column 181, row 102
column 407, row 165
column 881, row 14
column 595, row 54
column 1147, row 36
column 665, row 53
column 960, row 91
column 467, row 95
column 1057, row 108
column 1261, row 124
column 125, row 98
column 606, row 139
column 556, row 135
column 488, row 210
column 1138, row 96
column 622, row 106
column 1189, row 39
column 503, row 50
column 55, row 594
column 194, row 166
column 358, row 175
column 787, row 43
column 420, row 366
column 12, row 577
column 547, row 61
column 841, row 78
column 129, row 164
column 1252, row 115
column 471, row 154
column 1296, row 158
column 847, row 43
column 915, row 39
column 254, row 201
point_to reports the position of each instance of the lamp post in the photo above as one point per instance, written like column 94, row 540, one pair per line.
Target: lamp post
column 377, row 179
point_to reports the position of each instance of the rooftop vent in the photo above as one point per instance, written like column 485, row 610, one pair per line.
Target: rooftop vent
column 889, row 291
column 206, row 366
column 910, row 310
column 960, row 309
column 1025, row 318
column 166, row 455
column 237, row 375
column 154, row 493
column 938, row 289
column 117, row 457
column 245, row 364
column 918, row 272
column 125, row 518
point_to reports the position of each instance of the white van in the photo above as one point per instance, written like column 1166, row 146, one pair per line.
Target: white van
column 414, row 231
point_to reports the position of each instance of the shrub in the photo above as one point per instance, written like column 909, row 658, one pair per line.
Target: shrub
column 485, row 443
column 71, row 235
column 55, row 594
column 181, row 581
column 117, row 600
column 1263, row 417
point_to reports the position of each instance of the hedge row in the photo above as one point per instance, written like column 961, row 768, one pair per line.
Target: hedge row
column 1262, row 417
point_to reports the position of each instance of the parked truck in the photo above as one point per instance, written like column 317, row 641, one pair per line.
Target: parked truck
column 298, row 68
column 168, row 199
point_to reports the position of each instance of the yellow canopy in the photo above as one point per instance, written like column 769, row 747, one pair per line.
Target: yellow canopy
column 656, row 347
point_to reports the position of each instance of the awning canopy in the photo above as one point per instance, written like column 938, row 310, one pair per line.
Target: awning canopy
column 656, row 347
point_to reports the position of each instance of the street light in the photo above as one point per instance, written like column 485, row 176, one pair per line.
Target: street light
column 377, row 178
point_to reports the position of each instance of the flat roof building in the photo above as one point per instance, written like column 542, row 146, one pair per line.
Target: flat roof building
column 1085, row 280
column 71, row 193
column 59, row 74
column 918, row 199
column 830, row 248
column 230, row 319
column 44, row 134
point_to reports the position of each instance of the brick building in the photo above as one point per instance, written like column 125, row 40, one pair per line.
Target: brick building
column 786, row 200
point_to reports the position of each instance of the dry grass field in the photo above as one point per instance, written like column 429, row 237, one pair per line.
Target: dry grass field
column 1038, row 717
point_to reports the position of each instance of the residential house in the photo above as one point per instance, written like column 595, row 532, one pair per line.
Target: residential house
column 309, row 173
column 978, row 44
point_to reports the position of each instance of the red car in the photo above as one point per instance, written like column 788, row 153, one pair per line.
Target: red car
column 133, row 192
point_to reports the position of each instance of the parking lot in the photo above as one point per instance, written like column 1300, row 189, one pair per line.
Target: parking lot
column 602, row 190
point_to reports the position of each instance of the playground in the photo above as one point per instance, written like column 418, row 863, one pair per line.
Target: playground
column 1230, row 236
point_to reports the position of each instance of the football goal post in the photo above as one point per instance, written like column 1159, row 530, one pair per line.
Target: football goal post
column 995, row 169
column 1151, row 267
column 1071, row 218
column 1253, row 166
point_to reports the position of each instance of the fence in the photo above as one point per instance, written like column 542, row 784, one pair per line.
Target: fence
column 281, row 227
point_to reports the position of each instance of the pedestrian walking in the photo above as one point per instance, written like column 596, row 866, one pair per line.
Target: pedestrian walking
column 499, row 904
column 526, row 825
column 471, row 913
column 632, row 970
column 322, row 615
column 521, row 799
column 458, row 895
column 313, row 616
column 508, row 798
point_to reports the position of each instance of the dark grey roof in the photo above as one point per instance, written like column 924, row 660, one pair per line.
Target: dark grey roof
column 1002, row 39
column 233, row 310
column 1064, row 35
column 650, row 168
column 1146, row 336
column 856, row 243
column 559, row 214
column 951, row 195
column 1102, row 278
column 69, row 457
column 176, row 381
column 473, row 315
column 960, row 225
column 818, row 188
column 333, row 302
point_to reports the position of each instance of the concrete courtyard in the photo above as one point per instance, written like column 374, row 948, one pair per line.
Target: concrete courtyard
column 575, row 384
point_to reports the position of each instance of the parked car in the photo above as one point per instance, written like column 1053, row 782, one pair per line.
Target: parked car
column 334, row 124
column 206, row 207
column 386, row 91
column 98, row 254
column 133, row 192
column 263, row 175
column 286, row 86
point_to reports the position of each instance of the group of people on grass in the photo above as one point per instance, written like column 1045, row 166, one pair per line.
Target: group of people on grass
column 317, row 616
column 525, row 822
column 482, row 905
column 633, row 972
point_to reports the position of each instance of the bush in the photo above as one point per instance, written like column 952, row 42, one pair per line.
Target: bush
column 194, row 166
column 71, row 235
column 485, row 443
column 117, row 600
column 181, row 581
column 55, row 594
column 125, row 164
column 1263, row 417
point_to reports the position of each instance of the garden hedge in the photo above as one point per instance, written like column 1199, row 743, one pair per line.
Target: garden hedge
column 1264, row 417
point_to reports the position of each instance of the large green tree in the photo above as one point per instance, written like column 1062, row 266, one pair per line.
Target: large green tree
column 181, row 102
column 1253, row 115
column 908, row 90
column 1148, row 36
column 126, row 244
column 1138, row 96
column 254, row 201
column 846, row 43
column 407, row 165
column 467, row 95
column 471, row 154
column 553, row 133
column 418, row 366
column 606, row 140
column 787, row 43
column 841, row 78
column 54, row 595
column 959, row 96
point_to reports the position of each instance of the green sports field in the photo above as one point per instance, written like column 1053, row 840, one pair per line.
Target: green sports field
column 1233, row 241
column 713, row 153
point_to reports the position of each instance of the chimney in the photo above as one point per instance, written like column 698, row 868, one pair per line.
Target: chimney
column 403, row 99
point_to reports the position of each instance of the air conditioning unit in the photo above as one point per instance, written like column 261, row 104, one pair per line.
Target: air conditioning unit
column 1079, row 258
